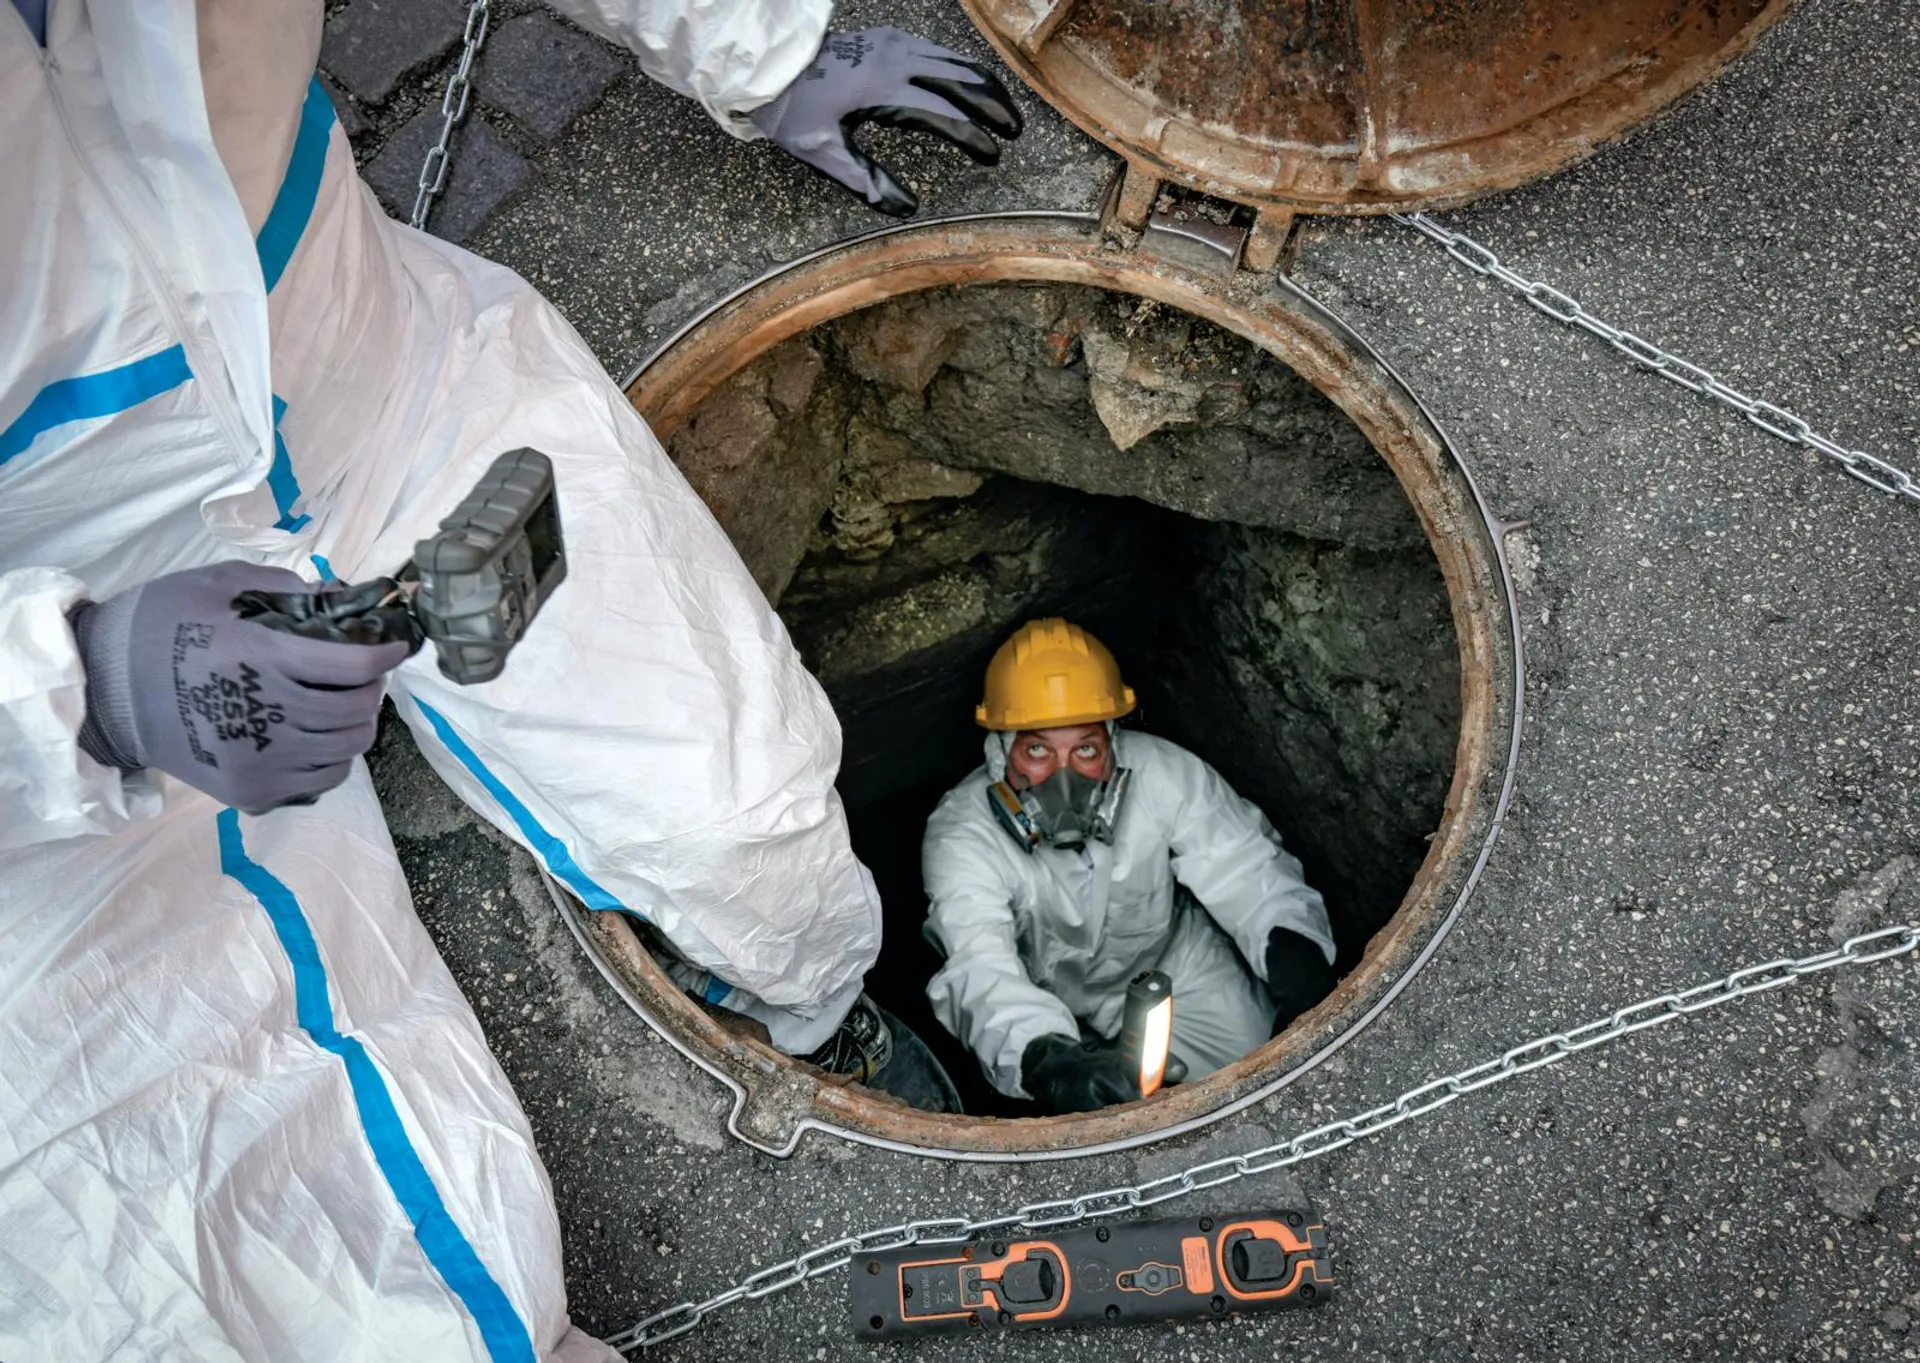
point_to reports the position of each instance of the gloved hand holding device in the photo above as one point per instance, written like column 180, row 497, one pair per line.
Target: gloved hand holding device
column 259, row 688
column 1067, row 1074
column 256, row 717
column 885, row 76
column 1298, row 975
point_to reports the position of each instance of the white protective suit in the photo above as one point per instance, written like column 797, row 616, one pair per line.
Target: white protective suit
column 245, row 1112
column 1040, row 943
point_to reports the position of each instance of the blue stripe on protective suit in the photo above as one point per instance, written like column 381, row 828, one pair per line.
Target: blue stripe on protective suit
column 95, row 395
column 286, row 223
column 280, row 480
column 293, row 205
column 440, row 1237
column 549, row 848
column 115, row 390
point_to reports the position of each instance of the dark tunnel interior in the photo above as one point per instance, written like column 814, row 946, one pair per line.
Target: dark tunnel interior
column 956, row 462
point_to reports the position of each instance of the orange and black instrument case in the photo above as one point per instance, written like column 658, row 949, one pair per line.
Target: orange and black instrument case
column 1114, row 1274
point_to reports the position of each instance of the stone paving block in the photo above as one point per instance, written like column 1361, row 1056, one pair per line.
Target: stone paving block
column 543, row 73
column 372, row 45
column 352, row 121
column 485, row 171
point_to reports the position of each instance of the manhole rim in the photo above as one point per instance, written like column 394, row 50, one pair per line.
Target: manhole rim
column 750, row 1056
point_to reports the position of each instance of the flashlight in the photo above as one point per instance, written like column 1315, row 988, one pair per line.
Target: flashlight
column 1148, row 1028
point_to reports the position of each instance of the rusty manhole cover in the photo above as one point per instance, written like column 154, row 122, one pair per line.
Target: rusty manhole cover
column 1363, row 105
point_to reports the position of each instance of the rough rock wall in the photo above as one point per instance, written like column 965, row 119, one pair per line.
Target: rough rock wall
column 1116, row 395
column 765, row 454
column 911, row 481
column 1324, row 677
column 901, row 637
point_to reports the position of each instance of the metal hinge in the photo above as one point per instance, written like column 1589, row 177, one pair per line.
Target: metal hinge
column 1186, row 227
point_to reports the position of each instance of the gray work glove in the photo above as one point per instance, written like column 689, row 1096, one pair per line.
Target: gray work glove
column 256, row 718
column 885, row 76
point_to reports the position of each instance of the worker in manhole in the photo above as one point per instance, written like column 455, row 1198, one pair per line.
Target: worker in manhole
column 245, row 1111
column 1081, row 854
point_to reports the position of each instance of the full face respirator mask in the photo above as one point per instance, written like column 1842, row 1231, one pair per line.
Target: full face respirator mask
column 1067, row 810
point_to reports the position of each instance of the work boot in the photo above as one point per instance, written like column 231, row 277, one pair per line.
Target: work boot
column 874, row 1048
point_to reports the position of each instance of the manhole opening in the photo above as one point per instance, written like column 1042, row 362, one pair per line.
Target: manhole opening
column 911, row 469
column 974, row 458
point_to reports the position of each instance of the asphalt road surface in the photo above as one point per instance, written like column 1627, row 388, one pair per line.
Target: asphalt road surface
column 1719, row 762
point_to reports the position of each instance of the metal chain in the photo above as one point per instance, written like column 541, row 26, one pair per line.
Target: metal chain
column 1428, row 1097
column 1882, row 945
column 1777, row 421
column 453, row 108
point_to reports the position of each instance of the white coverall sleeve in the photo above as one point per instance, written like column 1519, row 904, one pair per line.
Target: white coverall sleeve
column 49, row 788
column 731, row 55
column 1228, row 855
column 982, row 994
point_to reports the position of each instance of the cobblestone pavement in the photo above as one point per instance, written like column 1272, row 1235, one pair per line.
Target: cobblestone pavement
column 1720, row 764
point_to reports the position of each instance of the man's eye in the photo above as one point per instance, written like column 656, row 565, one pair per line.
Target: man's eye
column 1036, row 751
column 1086, row 750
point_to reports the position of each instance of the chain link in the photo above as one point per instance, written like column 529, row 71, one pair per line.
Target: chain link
column 453, row 108
column 1883, row 945
column 1429, row 1097
column 1776, row 421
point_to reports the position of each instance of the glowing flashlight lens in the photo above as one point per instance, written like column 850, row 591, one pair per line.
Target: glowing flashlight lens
column 1155, row 1036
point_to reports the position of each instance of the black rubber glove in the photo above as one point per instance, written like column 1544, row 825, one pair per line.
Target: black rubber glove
column 1298, row 975
column 257, row 718
column 885, row 76
column 1066, row 1074
column 365, row 613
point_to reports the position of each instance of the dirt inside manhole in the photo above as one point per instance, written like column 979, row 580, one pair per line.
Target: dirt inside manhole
column 913, row 459
column 957, row 461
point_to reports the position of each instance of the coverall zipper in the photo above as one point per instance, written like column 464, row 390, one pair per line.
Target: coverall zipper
column 225, row 413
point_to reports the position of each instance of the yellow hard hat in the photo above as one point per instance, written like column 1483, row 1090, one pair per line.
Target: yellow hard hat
column 1051, row 674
